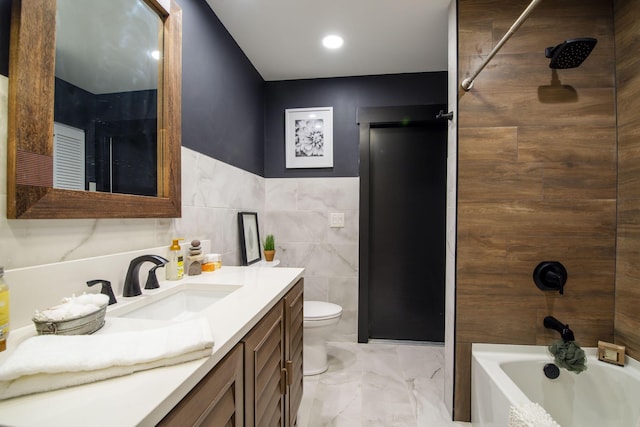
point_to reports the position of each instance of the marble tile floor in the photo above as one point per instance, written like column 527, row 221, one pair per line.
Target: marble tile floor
column 377, row 385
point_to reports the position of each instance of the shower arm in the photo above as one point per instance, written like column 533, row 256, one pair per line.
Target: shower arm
column 467, row 83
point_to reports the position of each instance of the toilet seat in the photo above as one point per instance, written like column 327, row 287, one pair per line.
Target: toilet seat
column 320, row 310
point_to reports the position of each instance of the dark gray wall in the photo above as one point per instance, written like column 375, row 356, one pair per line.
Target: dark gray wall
column 222, row 93
column 345, row 95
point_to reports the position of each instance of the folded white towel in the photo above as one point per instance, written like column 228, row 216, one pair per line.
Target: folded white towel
column 49, row 362
column 530, row 415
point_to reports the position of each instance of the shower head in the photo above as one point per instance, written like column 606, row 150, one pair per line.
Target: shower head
column 571, row 53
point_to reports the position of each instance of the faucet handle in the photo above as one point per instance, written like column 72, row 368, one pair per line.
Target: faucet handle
column 550, row 276
column 106, row 289
column 152, row 280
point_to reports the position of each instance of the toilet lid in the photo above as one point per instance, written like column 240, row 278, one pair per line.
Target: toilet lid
column 321, row 310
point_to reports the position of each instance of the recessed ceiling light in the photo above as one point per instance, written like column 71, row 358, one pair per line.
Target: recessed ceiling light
column 332, row 41
column 155, row 54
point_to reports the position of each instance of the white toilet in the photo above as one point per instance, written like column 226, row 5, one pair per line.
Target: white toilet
column 319, row 318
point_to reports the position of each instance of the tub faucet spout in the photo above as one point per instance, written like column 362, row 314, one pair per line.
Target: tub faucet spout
column 132, row 281
column 551, row 322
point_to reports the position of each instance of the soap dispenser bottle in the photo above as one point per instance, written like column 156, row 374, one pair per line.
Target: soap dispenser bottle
column 175, row 266
column 4, row 311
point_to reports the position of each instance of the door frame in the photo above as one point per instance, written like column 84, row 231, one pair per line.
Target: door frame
column 366, row 118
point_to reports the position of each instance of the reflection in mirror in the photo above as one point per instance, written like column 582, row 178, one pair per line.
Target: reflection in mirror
column 108, row 56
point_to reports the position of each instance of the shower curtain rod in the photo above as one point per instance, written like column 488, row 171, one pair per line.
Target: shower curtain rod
column 467, row 83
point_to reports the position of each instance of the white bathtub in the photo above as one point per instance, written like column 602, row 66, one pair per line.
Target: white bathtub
column 604, row 395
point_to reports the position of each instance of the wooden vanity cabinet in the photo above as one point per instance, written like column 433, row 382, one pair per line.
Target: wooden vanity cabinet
column 264, row 371
column 273, row 364
column 294, row 323
column 217, row 400
column 259, row 383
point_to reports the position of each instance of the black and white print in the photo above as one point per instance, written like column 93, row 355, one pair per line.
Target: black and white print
column 309, row 138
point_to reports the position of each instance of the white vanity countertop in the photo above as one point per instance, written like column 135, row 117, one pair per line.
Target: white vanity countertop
column 145, row 397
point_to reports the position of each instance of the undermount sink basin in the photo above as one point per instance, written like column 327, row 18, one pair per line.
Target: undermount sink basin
column 181, row 303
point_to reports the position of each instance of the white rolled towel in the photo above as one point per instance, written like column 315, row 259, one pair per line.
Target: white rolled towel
column 72, row 307
column 50, row 362
column 530, row 414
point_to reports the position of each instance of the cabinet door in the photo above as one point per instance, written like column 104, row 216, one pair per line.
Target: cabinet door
column 217, row 400
column 265, row 376
column 294, row 321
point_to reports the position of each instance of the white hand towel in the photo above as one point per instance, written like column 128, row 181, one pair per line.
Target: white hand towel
column 49, row 362
column 530, row 415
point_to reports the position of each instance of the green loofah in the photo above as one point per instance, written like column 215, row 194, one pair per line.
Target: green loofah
column 569, row 355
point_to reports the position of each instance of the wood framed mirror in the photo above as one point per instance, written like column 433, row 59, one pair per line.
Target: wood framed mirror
column 31, row 193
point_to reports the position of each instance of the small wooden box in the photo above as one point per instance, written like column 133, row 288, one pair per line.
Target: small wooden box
column 611, row 353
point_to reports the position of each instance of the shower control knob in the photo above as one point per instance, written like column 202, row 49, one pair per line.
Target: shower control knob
column 550, row 276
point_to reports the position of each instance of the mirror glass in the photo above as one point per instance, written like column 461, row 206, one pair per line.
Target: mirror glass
column 108, row 61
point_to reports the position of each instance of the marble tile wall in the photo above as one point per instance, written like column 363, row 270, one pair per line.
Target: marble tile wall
column 212, row 195
column 297, row 214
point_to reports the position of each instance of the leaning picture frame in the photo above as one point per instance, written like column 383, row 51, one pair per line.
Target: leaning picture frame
column 309, row 137
column 249, row 237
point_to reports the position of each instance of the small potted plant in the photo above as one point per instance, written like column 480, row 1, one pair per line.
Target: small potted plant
column 269, row 247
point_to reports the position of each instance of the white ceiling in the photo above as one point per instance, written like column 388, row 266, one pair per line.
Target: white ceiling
column 282, row 38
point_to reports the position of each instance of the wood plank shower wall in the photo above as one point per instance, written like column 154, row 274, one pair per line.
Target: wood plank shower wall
column 627, row 314
column 536, row 179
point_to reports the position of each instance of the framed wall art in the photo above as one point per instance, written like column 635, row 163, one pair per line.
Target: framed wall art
column 309, row 137
column 249, row 237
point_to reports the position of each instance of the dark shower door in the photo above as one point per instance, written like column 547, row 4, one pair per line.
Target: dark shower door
column 127, row 157
column 407, row 214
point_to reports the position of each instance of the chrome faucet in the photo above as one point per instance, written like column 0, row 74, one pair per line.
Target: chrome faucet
column 132, row 281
